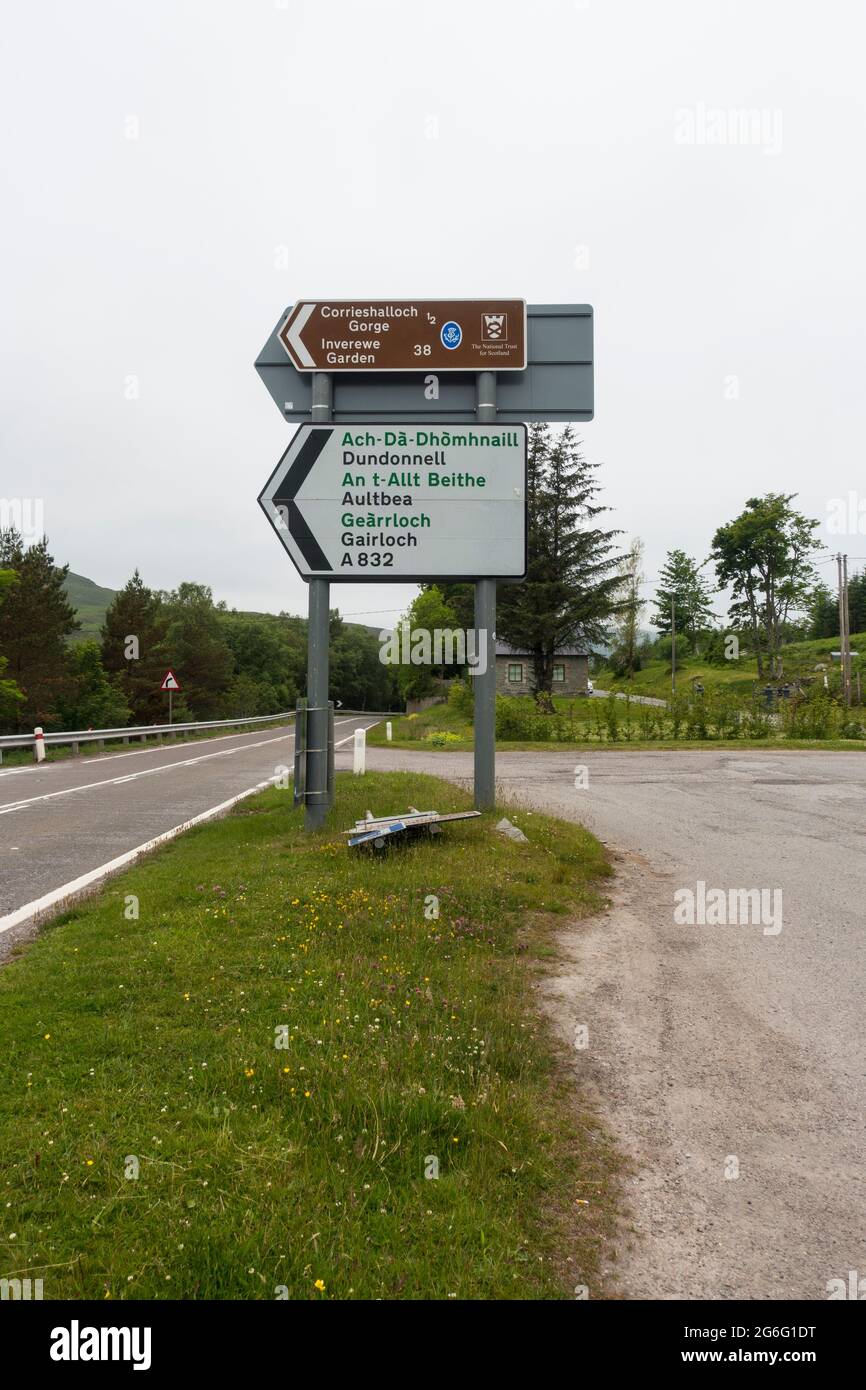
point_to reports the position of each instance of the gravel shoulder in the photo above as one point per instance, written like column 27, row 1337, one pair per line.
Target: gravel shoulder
column 729, row 1062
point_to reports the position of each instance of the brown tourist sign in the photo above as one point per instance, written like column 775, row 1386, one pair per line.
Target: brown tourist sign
column 406, row 335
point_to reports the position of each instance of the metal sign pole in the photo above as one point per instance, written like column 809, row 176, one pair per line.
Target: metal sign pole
column 485, row 625
column 318, row 644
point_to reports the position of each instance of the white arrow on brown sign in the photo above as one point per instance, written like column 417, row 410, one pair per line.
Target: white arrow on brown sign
column 406, row 335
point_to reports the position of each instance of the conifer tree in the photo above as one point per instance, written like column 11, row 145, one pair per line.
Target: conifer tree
column 133, row 648
column 682, row 585
column 10, row 695
column 36, row 619
column 572, row 582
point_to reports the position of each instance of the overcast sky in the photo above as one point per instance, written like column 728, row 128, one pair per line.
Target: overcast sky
column 177, row 171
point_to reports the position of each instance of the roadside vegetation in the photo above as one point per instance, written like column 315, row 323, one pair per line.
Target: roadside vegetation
column 59, row 671
column 722, row 715
column 156, row 1143
column 800, row 660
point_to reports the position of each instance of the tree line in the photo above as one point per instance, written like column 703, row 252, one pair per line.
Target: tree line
column 580, row 589
column 766, row 558
column 230, row 664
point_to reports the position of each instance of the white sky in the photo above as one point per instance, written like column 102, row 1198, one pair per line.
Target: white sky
column 305, row 124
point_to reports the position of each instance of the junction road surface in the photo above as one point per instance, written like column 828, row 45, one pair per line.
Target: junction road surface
column 61, row 820
column 731, row 1063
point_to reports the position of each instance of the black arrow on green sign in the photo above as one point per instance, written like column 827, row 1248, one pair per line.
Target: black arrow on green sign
column 288, row 490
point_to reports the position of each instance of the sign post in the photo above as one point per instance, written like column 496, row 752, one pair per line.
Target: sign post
column 485, row 622
column 318, row 660
column 170, row 683
column 410, row 462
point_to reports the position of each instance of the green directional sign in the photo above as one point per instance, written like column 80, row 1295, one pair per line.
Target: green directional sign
column 372, row 501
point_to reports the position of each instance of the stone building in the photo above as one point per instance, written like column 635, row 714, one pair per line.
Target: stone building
column 514, row 671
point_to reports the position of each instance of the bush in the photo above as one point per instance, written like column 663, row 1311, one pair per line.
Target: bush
column 441, row 738
column 461, row 698
column 723, row 713
column 756, row 722
column 519, row 720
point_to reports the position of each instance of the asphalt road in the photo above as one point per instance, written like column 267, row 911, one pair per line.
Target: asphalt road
column 60, row 820
column 730, row 1060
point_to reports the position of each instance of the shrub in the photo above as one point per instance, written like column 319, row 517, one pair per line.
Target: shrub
column 679, row 711
column 518, row 720
column 813, row 715
column 757, row 722
column 611, row 718
column 461, row 698
column 441, row 738
column 697, row 717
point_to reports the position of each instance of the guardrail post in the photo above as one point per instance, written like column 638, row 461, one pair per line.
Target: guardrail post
column 74, row 749
column 359, row 761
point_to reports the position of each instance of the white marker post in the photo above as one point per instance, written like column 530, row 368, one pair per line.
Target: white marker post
column 39, row 745
column 388, row 730
column 359, row 761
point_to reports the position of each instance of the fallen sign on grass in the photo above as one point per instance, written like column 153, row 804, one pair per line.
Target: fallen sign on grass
column 374, row 832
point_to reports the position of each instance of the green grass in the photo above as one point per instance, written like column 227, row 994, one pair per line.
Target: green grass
column 415, row 730
column 152, row 1041
column 413, row 733
column 800, row 660
column 90, row 602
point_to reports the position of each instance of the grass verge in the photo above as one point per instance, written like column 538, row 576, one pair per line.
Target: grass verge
column 441, row 729
column 156, row 1143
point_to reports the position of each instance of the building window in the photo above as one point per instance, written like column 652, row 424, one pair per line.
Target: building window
column 515, row 673
column 559, row 673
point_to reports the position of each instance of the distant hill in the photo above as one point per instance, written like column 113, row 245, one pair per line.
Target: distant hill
column 90, row 602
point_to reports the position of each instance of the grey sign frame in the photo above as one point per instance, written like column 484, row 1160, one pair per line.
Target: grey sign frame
column 557, row 385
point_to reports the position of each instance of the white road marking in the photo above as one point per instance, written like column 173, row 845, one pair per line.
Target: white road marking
column 77, row 885
column 19, row 805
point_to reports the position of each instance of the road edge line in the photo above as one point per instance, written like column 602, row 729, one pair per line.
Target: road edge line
column 78, row 888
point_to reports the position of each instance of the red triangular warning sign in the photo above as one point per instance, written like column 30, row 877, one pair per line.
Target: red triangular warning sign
column 170, row 682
